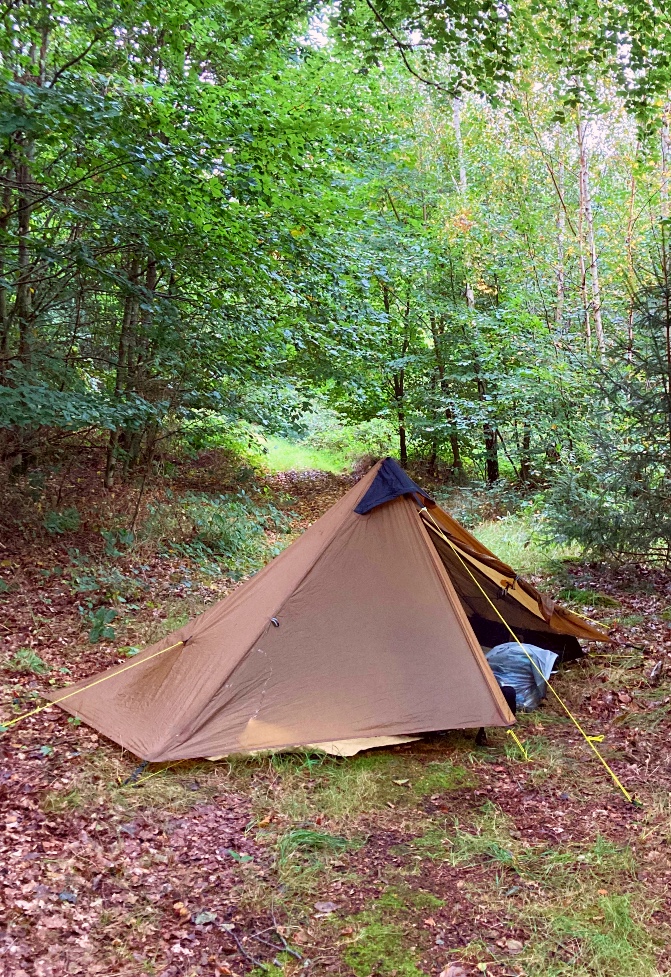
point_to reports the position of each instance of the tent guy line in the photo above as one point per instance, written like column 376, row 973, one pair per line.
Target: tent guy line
column 54, row 702
column 590, row 740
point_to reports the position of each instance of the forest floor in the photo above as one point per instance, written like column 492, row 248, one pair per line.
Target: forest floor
column 433, row 858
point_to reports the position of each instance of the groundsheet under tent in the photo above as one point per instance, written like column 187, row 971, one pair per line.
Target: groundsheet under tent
column 347, row 748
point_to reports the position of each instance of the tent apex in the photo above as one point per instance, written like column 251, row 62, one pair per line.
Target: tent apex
column 390, row 482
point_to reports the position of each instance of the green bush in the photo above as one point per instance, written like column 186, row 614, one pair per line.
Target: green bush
column 328, row 433
column 210, row 529
column 66, row 521
column 100, row 621
column 208, row 432
column 106, row 580
column 26, row 660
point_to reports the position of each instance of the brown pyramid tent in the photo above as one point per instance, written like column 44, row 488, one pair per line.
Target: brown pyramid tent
column 368, row 625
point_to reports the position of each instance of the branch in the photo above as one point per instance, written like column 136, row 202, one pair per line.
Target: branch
column 248, row 956
column 78, row 57
column 549, row 168
column 393, row 205
column 402, row 47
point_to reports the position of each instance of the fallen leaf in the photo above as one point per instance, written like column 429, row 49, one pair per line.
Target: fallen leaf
column 514, row 946
column 54, row 923
column 205, row 917
column 325, row 907
column 453, row 970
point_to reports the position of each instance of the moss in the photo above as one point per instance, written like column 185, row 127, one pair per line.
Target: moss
column 400, row 898
column 382, row 944
column 379, row 950
column 440, row 777
column 432, row 845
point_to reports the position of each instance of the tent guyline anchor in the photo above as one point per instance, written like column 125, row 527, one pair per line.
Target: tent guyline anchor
column 590, row 740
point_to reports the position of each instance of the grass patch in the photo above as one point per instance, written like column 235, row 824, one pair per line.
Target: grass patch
column 605, row 940
column 284, row 456
column 516, row 540
column 587, row 598
column 100, row 782
column 304, row 857
column 307, row 840
column 337, row 789
column 441, row 777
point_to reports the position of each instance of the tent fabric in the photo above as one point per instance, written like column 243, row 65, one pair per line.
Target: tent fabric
column 356, row 630
column 477, row 597
column 390, row 482
column 478, row 557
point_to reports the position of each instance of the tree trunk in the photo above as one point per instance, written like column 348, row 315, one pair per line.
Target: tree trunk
column 130, row 305
column 23, row 303
column 586, row 199
column 438, row 332
column 490, row 439
column 561, row 242
column 138, row 345
column 4, row 305
column 666, row 282
column 402, row 442
column 456, row 124
column 525, row 454
column 399, row 393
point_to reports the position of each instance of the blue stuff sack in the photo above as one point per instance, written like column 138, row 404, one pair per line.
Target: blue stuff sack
column 512, row 667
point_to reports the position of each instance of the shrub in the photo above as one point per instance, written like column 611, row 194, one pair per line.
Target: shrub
column 66, row 521
column 208, row 529
column 328, row 433
column 26, row 660
column 100, row 621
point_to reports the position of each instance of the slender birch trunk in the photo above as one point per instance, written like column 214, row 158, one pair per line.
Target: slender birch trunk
column 587, row 214
column 561, row 248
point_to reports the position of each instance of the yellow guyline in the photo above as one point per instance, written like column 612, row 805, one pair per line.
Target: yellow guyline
column 590, row 740
column 54, row 702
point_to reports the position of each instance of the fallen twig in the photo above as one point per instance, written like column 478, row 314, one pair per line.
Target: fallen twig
column 248, row 956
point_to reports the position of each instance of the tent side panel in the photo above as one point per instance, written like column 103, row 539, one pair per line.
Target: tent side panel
column 371, row 643
column 148, row 707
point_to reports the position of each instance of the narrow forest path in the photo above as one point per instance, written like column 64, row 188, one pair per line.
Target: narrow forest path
column 435, row 857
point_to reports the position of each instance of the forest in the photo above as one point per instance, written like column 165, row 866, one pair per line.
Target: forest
column 247, row 250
